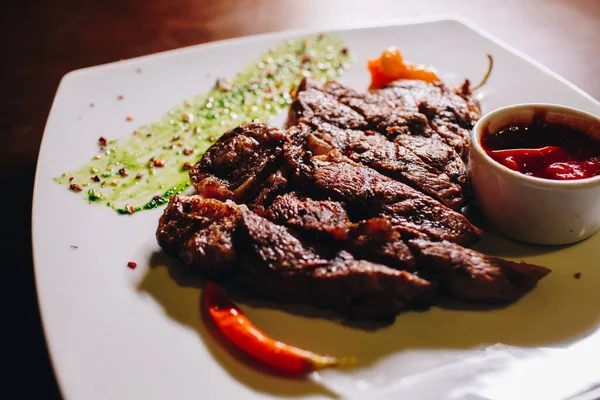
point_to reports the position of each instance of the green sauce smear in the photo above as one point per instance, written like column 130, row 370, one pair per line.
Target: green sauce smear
column 141, row 171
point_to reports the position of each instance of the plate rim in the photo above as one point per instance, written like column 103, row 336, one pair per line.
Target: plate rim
column 436, row 18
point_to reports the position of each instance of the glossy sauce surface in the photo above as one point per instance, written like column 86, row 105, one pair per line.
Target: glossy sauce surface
column 550, row 151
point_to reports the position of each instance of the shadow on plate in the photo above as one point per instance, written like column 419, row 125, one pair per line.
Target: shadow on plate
column 174, row 287
column 560, row 310
column 497, row 245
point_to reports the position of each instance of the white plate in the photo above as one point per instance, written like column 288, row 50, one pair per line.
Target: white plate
column 117, row 333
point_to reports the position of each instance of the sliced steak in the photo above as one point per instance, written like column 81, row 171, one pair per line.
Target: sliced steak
column 371, row 194
column 199, row 231
column 389, row 158
column 437, row 154
column 326, row 222
column 278, row 266
column 352, row 205
column 416, row 108
column 398, row 118
column 466, row 274
column 275, row 185
column 375, row 239
column 237, row 164
column 312, row 104
column 320, row 218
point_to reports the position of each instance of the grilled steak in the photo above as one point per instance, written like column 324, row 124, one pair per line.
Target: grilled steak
column 411, row 130
column 199, row 231
column 229, row 242
column 238, row 163
column 468, row 275
column 319, row 218
column 278, row 266
column 312, row 104
column 376, row 240
column 327, row 221
column 352, row 207
column 437, row 154
column 275, row 185
column 389, row 158
column 416, row 108
column 464, row 274
column 371, row 194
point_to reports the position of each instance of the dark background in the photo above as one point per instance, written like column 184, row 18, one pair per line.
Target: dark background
column 47, row 39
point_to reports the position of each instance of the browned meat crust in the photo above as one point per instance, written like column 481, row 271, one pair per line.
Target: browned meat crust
column 437, row 154
column 376, row 239
column 353, row 206
column 415, row 108
column 389, row 158
column 277, row 265
column 275, row 185
column 238, row 163
column 372, row 194
column 464, row 274
column 317, row 217
column 310, row 103
column 226, row 241
column 199, row 231
column 468, row 275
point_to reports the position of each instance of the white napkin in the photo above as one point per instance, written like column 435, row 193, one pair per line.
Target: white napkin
column 496, row 373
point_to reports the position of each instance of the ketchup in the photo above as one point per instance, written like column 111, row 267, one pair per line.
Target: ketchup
column 550, row 151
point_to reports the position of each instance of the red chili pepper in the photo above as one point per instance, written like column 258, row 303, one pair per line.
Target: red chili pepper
column 236, row 327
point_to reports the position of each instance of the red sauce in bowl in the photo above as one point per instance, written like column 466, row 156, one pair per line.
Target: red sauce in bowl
column 549, row 151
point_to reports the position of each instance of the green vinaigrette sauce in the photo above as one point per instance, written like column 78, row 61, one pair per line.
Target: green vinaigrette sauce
column 141, row 171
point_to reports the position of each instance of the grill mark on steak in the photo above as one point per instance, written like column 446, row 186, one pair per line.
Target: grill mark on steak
column 328, row 229
column 466, row 274
column 238, row 163
column 320, row 218
column 373, row 194
column 199, row 231
column 278, row 266
column 463, row 274
column 375, row 239
column 416, row 108
column 389, row 158
column 437, row 154
column 275, row 185
column 310, row 103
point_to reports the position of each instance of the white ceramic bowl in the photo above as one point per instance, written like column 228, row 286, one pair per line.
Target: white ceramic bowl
column 530, row 209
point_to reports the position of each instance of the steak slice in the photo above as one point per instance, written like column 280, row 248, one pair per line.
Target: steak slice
column 371, row 194
column 389, row 158
column 235, row 166
column 451, row 115
column 466, row 274
column 375, row 239
column 437, row 154
column 278, row 266
column 327, row 222
column 199, row 231
column 312, row 104
column 415, row 108
column 275, row 185
column 321, row 218
column 400, row 120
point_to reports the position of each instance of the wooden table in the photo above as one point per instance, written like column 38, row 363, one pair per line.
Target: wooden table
column 47, row 40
